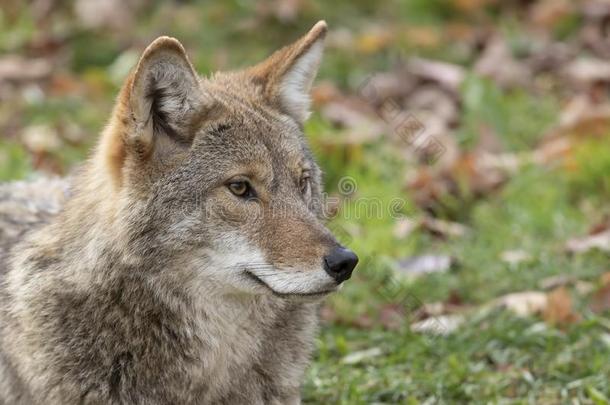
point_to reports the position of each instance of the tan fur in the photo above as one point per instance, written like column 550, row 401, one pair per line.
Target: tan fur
column 155, row 284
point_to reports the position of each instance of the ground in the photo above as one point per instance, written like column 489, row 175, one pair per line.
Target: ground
column 513, row 202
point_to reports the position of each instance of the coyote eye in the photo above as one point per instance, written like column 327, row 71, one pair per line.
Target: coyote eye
column 241, row 189
column 305, row 184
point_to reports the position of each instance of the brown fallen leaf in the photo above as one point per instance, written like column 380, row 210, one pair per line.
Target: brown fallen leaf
column 444, row 229
column 515, row 257
column 546, row 14
column 442, row 325
column 392, row 316
column 600, row 240
column 498, row 64
column 559, row 308
column 288, row 10
column 601, row 299
column 586, row 71
column 324, row 92
column 41, row 139
column 582, row 117
column 423, row 36
column 115, row 14
column 434, row 106
column 446, row 74
column 405, row 227
column 374, row 39
column 453, row 305
column 426, row 264
column 436, row 227
column 354, row 115
column 361, row 356
column 560, row 280
column 470, row 176
column 15, row 68
column 381, row 87
column 470, row 6
column 525, row 303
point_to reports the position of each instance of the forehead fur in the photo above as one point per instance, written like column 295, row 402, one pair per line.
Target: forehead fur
column 250, row 126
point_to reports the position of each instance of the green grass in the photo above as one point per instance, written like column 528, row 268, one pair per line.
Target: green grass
column 495, row 357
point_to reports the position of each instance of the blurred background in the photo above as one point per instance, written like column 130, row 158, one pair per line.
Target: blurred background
column 467, row 159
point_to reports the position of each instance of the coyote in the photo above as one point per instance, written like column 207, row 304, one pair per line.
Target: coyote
column 184, row 263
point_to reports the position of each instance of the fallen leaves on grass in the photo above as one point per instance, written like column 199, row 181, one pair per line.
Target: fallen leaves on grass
column 559, row 308
column 515, row 257
column 588, row 71
column 600, row 301
column 417, row 266
column 525, row 303
column 436, row 227
column 498, row 64
column 360, row 356
column 555, row 307
column 441, row 325
column 599, row 240
column 446, row 74
column 17, row 69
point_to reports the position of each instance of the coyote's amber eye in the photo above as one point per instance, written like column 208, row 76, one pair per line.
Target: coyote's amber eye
column 304, row 184
column 239, row 188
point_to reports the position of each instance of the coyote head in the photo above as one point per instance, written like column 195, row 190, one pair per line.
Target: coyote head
column 214, row 174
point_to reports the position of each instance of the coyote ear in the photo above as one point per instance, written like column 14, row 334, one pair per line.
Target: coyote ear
column 288, row 74
column 164, row 95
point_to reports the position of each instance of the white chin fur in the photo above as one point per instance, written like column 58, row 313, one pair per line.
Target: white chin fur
column 234, row 256
column 294, row 281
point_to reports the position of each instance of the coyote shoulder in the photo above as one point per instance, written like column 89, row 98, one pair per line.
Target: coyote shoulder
column 185, row 261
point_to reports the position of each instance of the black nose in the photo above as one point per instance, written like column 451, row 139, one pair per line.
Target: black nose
column 340, row 263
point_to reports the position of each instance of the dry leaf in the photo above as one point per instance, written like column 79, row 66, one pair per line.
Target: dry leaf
column 471, row 5
column 559, row 308
column 498, row 64
column 439, row 325
column 391, row 316
column 374, row 40
column 600, row 240
column 514, row 257
column 585, row 71
column 601, row 299
column 14, row 68
column 559, row 280
column 448, row 75
column 546, row 14
column 423, row 36
column 358, row 357
column 287, row 10
column 405, row 227
column 427, row 264
column 41, row 138
column 583, row 117
column 355, row 116
column 443, row 228
column 525, row 303
column 116, row 14
column 324, row 92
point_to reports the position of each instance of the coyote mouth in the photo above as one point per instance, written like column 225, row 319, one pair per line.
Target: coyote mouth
column 260, row 282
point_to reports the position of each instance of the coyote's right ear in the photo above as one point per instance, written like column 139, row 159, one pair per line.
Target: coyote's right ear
column 164, row 95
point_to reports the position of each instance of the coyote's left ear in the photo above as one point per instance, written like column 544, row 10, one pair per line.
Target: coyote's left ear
column 288, row 74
